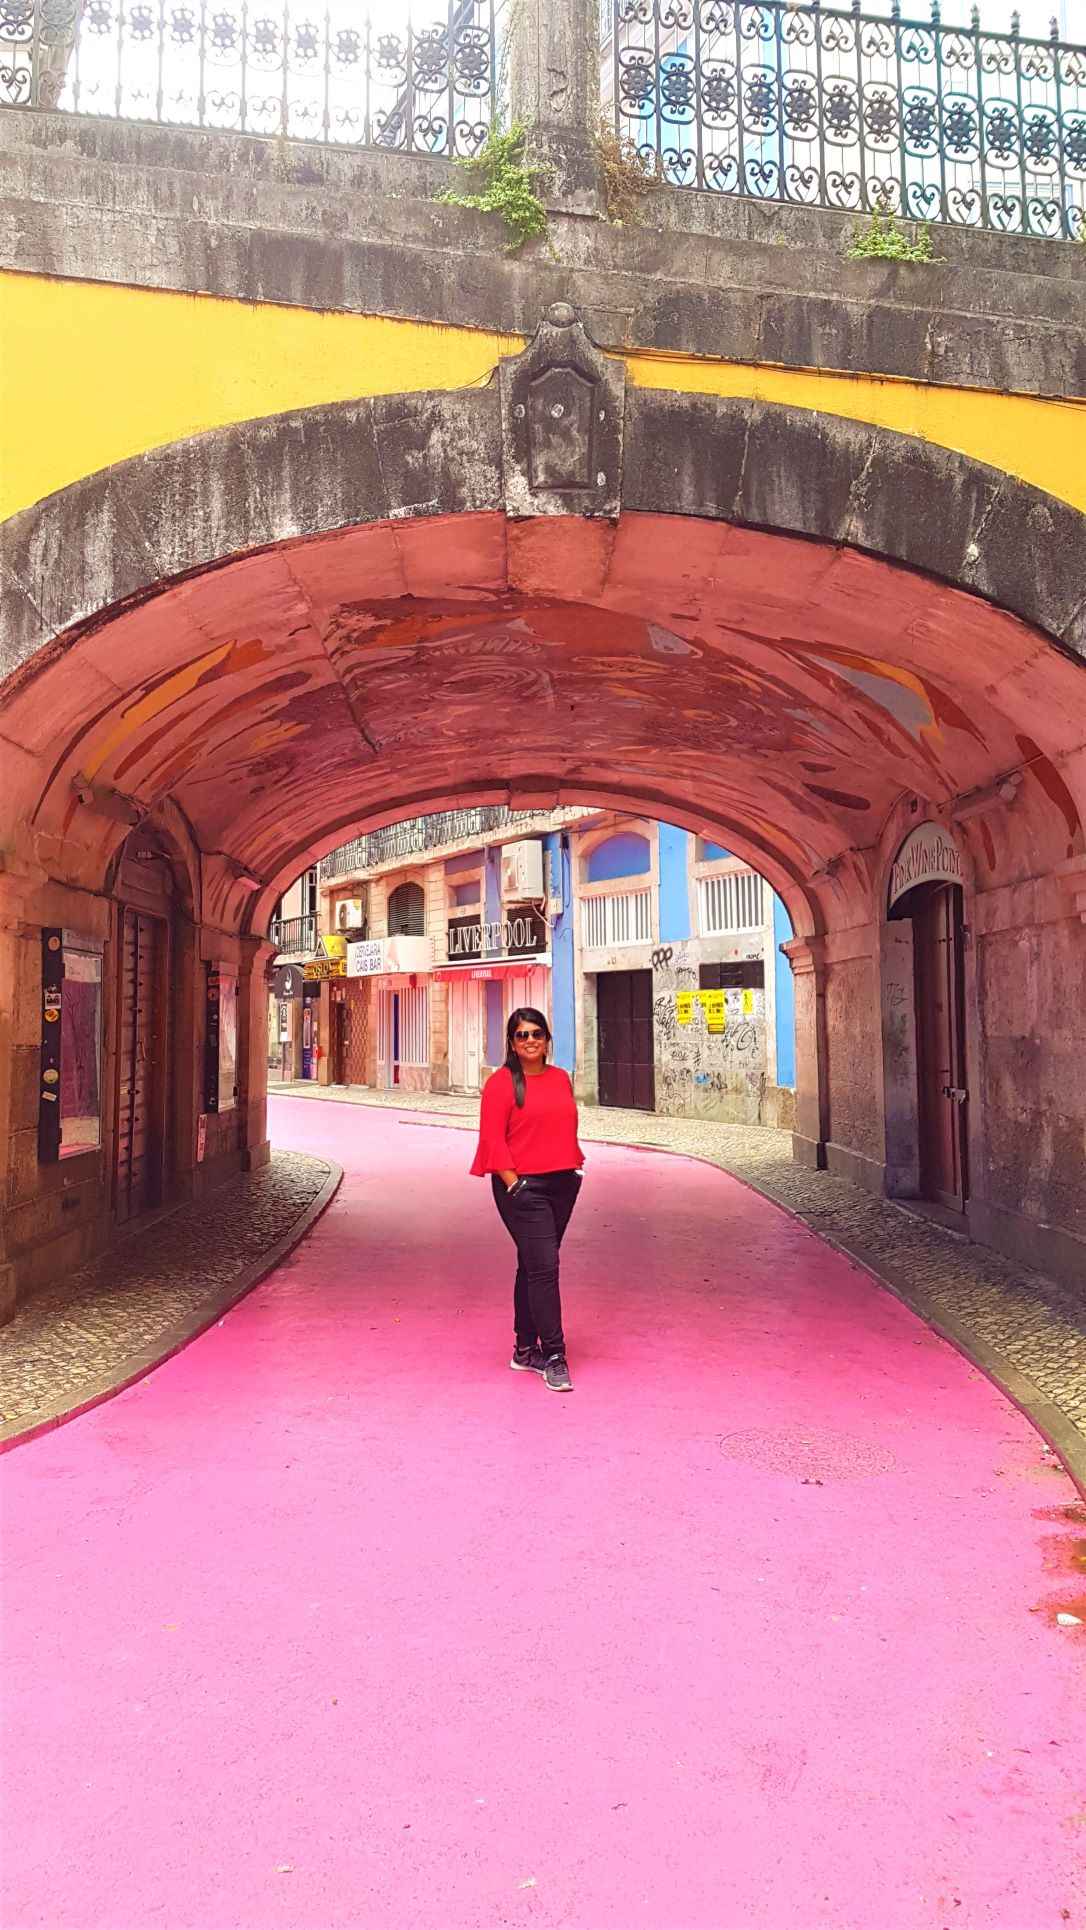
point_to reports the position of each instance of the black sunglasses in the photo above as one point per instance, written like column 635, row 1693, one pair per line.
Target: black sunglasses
column 533, row 1034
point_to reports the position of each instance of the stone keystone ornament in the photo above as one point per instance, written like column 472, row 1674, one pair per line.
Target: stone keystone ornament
column 562, row 404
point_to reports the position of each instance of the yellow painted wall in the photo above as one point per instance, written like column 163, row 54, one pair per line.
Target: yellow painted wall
column 92, row 373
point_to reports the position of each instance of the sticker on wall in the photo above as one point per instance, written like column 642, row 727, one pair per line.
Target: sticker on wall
column 748, row 1001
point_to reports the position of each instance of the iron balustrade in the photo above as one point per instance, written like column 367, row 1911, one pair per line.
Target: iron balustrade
column 430, row 833
column 824, row 107
column 322, row 70
column 292, row 935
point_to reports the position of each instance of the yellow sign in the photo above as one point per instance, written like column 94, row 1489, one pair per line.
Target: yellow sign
column 321, row 968
column 748, row 1000
column 333, row 945
column 684, row 1007
column 714, row 1006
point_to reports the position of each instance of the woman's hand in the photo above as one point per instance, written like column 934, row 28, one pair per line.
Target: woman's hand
column 509, row 1180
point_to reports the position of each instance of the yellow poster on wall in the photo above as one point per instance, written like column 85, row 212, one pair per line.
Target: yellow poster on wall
column 748, row 1001
column 684, row 1007
column 714, row 1006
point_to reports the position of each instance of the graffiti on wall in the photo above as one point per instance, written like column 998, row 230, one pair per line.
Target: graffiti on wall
column 710, row 1045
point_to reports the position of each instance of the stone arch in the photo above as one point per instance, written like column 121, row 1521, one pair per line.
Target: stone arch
column 159, row 518
column 343, row 551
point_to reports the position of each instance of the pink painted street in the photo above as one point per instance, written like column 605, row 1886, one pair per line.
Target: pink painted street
column 334, row 1621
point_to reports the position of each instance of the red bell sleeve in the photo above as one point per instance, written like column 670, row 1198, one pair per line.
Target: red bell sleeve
column 492, row 1155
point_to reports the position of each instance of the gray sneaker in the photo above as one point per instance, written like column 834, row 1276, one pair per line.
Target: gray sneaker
column 527, row 1360
column 556, row 1375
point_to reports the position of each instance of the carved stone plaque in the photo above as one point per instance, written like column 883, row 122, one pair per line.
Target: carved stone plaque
column 562, row 407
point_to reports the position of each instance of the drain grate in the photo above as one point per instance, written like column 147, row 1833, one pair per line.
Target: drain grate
column 810, row 1453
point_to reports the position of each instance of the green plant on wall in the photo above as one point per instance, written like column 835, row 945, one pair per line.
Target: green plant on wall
column 884, row 240
column 505, row 185
column 628, row 175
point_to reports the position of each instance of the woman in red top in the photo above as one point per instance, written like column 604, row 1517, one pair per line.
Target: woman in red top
column 528, row 1144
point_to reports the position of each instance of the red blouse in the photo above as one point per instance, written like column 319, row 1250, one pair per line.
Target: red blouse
column 538, row 1137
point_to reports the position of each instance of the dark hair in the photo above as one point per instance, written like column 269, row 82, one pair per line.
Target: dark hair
column 512, row 1061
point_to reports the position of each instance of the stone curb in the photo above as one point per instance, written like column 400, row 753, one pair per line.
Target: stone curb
column 1051, row 1423
column 174, row 1338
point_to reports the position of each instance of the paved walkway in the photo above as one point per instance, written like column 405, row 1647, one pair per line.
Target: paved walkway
column 1027, row 1331
column 98, row 1327
column 333, row 1621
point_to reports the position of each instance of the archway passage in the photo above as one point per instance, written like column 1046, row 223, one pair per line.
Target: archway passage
column 299, row 674
column 784, row 693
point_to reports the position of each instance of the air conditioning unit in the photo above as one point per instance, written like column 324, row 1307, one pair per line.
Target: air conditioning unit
column 522, row 869
column 349, row 914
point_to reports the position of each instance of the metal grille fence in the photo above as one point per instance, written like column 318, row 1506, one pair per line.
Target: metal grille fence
column 294, row 934
column 430, row 833
column 328, row 71
column 730, row 902
column 619, row 918
column 841, row 109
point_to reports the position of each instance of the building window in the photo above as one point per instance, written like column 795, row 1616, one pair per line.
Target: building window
column 407, row 913
column 468, row 895
column 731, row 902
column 626, row 855
column 747, row 974
column 619, row 918
column 415, row 1026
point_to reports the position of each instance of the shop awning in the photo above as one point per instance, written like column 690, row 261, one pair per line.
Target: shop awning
column 492, row 968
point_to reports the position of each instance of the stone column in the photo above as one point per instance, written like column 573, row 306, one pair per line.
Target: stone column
column 898, row 1006
column 808, row 961
column 253, row 1051
column 554, row 86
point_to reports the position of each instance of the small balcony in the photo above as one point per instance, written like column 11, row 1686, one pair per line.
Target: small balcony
column 434, row 832
column 294, row 937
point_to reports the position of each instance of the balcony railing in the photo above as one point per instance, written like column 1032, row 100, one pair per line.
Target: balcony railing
column 325, row 72
column 291, row 935
column 429, row 833
column 840, row 109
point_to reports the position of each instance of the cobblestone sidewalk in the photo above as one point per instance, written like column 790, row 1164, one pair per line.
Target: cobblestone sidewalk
column 105, row 1324
column 1028, row 1332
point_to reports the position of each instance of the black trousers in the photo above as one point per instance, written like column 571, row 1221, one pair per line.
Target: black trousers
column 536, row 1218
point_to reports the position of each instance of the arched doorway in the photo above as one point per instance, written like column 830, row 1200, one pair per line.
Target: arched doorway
column 926, row 889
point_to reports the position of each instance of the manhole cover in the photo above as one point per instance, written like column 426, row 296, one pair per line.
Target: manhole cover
column 810, row 1453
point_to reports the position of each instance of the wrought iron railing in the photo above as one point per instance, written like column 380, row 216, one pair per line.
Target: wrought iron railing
column 412, row 835
column 842, row 109
column 432, row 833
column 326, row 70
column 290, row 935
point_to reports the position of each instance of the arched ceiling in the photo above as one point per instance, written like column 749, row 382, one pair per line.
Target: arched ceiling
column 782, row 693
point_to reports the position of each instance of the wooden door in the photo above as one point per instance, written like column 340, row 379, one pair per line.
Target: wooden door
column 384, row 1040
column 339, row 1044
column 473, row 1035
column 141, row 1064
column 940, row 1008
column 457, row 994
column 624, row 1040
column 466, row 1010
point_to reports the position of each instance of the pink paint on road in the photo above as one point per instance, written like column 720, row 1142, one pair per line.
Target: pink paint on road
column 333, row 1621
